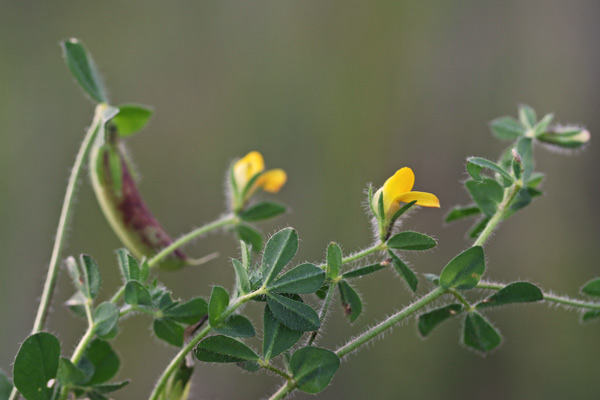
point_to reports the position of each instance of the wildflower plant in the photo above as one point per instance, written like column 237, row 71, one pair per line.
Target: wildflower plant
column 213, row 329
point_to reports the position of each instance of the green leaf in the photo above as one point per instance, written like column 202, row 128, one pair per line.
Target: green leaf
column 101, row 361
column 487, row 194
column 241, row 276
column 305, row 278
column 131, row 119
column 543, row 124
column 475, row 164
column 589, row 315
column 76, row 304
column 313, row 368
column 366, row 270
column 480, row 334
column 410, row 240
column 507, row 128
column 293, row 314
column 5, row 386
column 527, row 116
column 465, row 270
column 189, row 312
column 592, row 288
column 250, row 366
column 525, row 150
column 350, row 301
column 236, row 326
column 36, row 364
column 459, row 212
column 280, row 249
column 223, row 349
column 169, row 331
column 404, row 271
column 137, row 294
column 277, row 337
column 401, row 211
column 429, row 320
column 334, row 260
column 144, row 270
column 517, row 292
column 129, row 265
column 251, row 236
column 105, row 318
column 478, row 227
column 68, row 374
column 219, row 300
column 91, row 275
column 522, row 199
column 83, row 69
column 263, row 210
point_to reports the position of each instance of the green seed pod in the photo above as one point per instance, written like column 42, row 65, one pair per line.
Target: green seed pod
column 122, row 204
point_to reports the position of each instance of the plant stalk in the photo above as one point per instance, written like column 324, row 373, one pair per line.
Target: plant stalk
column 562, row 300
column 188, row 237
column 179, row 357
column 498, row 215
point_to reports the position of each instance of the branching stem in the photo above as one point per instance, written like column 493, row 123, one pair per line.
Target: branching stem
column 188, row 237
column 562, row 300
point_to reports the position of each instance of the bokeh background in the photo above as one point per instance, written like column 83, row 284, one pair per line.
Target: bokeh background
column 338, row 93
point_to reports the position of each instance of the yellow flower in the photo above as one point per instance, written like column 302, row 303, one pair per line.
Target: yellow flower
column 396, row 190
column 250, row 170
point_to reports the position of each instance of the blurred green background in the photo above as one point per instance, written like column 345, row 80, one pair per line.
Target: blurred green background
column 338, row 93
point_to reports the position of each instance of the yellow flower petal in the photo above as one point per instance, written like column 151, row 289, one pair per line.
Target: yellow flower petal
column 245, row 168
column 401, row 182
column 272, row 180
column 423, row 199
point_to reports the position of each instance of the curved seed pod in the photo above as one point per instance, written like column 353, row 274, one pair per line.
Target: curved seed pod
column 122, row 204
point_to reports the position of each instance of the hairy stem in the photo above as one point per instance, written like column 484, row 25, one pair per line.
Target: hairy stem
column 158, row 257
column 509, row 196
column 273, row 368
column 461, row 298
column 562, row 300
column 179, row 357
column 389, row 322
column 65, row 213
column 324, row 309
column 283, row 391
column 82, row 345
column 188, row 237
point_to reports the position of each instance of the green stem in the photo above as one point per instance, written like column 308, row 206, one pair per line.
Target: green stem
column 563, row 300
column 324, row 309
column 273, row 368
column 509, row 196
column 283, row 391
column 117, row 296
column 389, row 322
column 371, row 334
column 82, row 345
column 188, row 237
column 354, row 257
column 63, row 221
column 461, row 298
column 179, row 357
column 361, row 254
column 181, row 242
